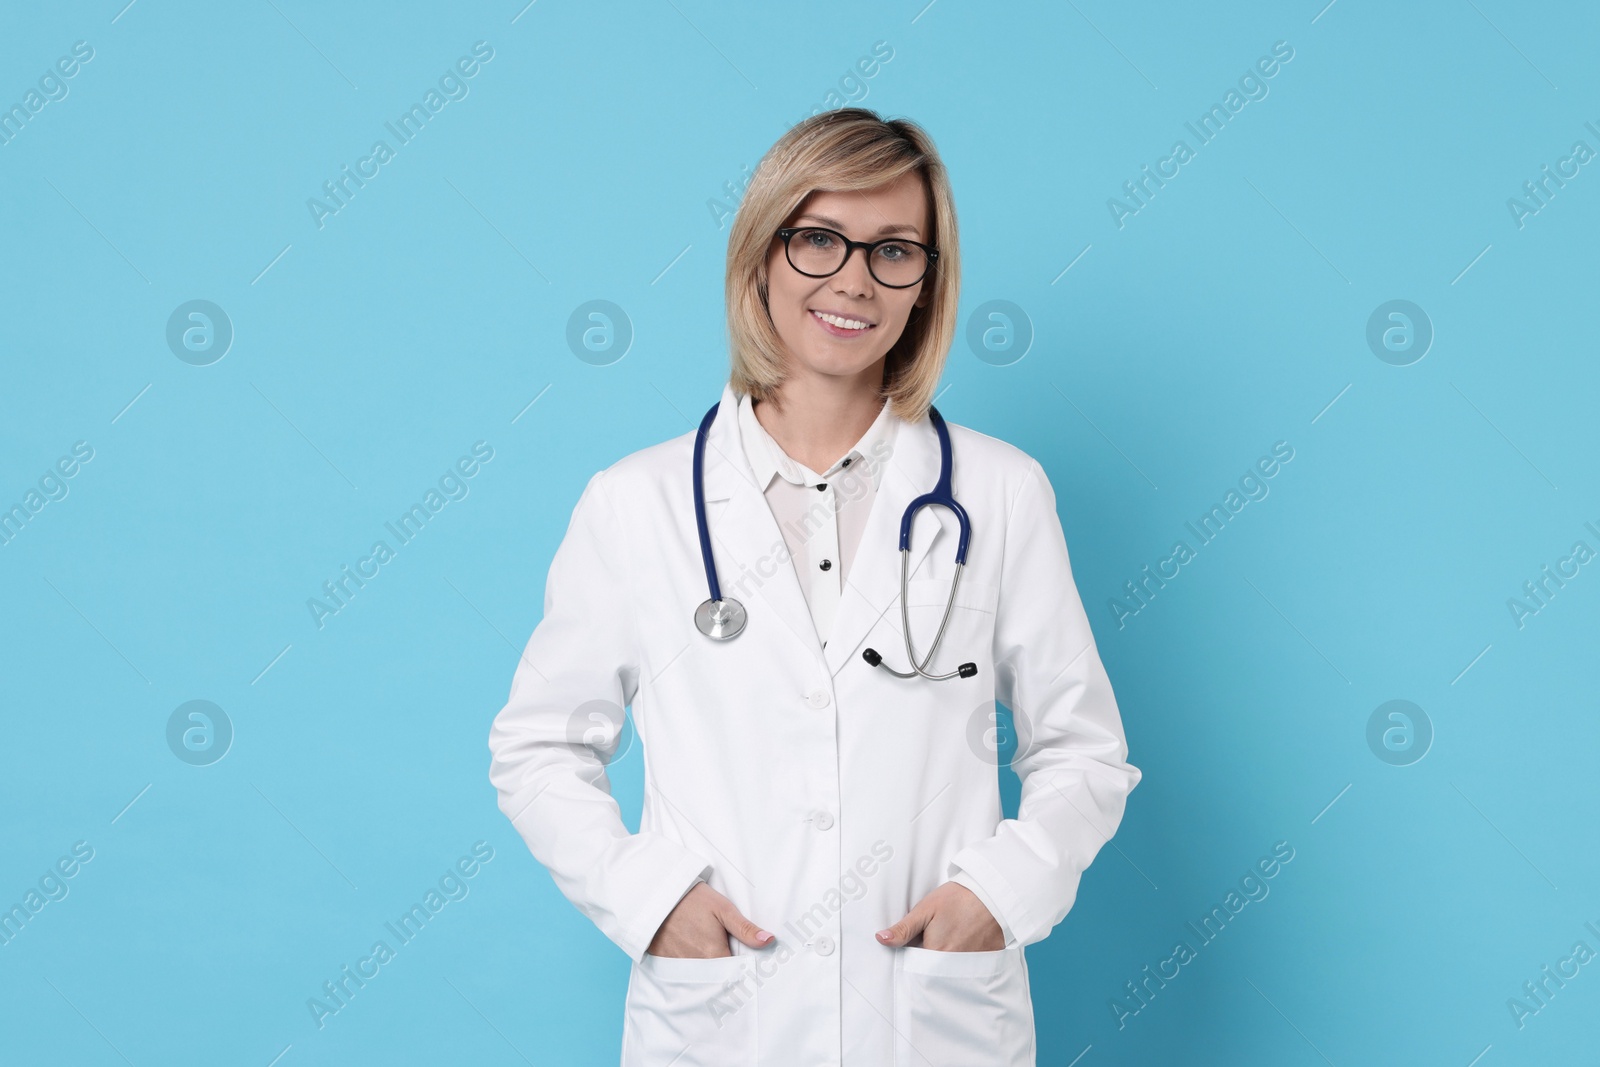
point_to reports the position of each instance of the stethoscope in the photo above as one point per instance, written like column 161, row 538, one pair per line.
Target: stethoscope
column 722, row 618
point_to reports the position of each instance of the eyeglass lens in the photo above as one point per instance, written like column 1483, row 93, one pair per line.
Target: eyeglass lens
column 819, row 252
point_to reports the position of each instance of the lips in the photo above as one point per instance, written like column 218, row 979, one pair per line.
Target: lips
column 840, row 322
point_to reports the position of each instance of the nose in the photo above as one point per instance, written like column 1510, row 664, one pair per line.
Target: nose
column 854, row 276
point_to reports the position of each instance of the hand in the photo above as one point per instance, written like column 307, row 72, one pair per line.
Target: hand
column 699, row 926
column 949, row 919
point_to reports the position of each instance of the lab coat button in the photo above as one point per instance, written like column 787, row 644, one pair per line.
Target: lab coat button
column 817, row 698
column 823, row 945
column 822, row 821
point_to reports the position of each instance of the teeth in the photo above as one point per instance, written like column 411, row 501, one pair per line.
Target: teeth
column 843, row 324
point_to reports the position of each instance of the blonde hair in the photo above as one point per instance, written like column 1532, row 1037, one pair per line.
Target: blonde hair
column 848, row 149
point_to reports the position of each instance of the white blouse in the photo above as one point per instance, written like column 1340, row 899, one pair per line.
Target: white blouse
column 821, row 515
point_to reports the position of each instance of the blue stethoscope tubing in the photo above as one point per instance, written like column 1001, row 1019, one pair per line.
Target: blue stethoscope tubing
column 722, row 618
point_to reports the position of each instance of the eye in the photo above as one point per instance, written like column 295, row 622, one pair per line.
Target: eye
column 817, row 238
column 894, row 253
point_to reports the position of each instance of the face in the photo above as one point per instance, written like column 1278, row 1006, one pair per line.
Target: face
column 816, row 347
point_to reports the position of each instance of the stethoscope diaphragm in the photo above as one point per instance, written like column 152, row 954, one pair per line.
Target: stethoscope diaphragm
column 720, row 620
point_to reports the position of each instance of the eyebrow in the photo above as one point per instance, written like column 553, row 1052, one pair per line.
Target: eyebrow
column 836, row 224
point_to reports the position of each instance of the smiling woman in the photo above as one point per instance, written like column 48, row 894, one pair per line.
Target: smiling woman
column 849, row 179
column 778, row 740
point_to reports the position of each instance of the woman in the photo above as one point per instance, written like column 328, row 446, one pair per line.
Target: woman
column 822, row 874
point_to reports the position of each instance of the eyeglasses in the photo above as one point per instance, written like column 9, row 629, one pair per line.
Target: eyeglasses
column 895, row 262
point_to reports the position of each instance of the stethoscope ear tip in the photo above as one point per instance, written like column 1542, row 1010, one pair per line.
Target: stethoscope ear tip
column 874, row 658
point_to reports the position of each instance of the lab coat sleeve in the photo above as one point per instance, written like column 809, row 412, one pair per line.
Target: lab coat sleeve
column 1071, row 753
column 962, row 878
column 546, row 747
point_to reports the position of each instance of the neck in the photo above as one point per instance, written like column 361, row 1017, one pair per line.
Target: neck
column 816, row 419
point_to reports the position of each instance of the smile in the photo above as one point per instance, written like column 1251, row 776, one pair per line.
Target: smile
column 840, row 326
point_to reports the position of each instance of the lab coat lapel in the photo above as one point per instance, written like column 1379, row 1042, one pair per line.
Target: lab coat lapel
column 745, row 536
column 872, row 587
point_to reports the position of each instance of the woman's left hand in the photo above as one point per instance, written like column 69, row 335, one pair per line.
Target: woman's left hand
column 950, row 919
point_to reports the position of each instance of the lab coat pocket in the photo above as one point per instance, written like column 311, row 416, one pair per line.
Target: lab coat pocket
column 962, row 1009
column 936, row 591
column 969, row 635
column 690, row 1012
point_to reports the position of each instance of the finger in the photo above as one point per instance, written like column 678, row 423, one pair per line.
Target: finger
column 743, row 929
column 903, row 931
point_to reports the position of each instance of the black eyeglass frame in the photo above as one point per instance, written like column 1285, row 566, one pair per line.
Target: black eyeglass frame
column 850, row 246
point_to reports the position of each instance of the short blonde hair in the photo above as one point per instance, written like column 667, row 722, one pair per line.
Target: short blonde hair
column 843, row 150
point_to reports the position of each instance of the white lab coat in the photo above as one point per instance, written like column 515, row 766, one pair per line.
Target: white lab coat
column 823, row 796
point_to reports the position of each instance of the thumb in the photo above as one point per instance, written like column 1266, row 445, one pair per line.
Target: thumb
column 903, row 931
column 743, row 929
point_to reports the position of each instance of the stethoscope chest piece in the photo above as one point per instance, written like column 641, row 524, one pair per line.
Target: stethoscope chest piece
column 720, row 620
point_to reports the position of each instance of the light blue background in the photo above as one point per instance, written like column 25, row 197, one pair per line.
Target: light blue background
column 1228, row 314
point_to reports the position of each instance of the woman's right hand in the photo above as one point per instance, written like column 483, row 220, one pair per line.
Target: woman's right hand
column 698, row 928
